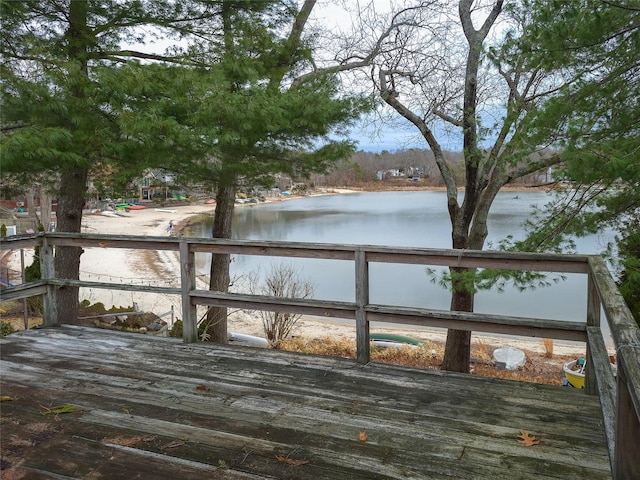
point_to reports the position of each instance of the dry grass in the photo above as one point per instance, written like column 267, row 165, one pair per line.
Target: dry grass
column 538, row 367
column 482, row 351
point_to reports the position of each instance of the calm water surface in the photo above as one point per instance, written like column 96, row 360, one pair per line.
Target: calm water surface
column 412, row 219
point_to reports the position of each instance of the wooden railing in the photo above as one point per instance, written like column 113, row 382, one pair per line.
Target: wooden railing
column 619, row 397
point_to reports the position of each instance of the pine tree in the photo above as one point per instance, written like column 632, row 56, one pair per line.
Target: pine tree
column 219, row 106
column 598, row 114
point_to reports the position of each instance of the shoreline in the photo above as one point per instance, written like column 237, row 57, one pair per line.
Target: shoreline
column 161, row 268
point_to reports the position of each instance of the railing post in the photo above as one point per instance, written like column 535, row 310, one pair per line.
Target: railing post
column 593, row 320
column 48, row 272
column 363, row 346
column 626, row 465
column 188, row 283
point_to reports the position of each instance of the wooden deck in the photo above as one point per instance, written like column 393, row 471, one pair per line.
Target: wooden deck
column 158, row 408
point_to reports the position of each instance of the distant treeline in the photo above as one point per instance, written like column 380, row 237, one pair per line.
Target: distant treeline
column 403, row 167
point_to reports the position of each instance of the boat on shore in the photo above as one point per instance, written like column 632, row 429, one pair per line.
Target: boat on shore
column 574, row 372
column 390, row 337
column 575, row 369
column 386, row 340
column 248, row 340
column 109, row 213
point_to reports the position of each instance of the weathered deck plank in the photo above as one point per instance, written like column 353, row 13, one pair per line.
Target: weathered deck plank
column 164, row 409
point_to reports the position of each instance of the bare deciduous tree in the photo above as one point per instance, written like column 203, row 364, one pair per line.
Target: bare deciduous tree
column 446, row 73
column 282, row 280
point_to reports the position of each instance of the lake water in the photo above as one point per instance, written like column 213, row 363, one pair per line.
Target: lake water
column 412, row 219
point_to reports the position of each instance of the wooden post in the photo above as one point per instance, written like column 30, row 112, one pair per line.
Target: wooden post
column 23, row 276
column 47, row 269
column 593, row 320
column 626, row 465
column 363, row 346
column 606, row 384
column 188, row 283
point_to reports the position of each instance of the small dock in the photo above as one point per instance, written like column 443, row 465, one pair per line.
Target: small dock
column 150, row 407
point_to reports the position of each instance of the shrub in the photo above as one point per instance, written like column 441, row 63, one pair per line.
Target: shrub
column 282, row 281
column 6, row 329
column 176, row 329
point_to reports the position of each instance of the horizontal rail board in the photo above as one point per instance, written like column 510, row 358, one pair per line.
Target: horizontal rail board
column 62, row 282
column 561, row 263
column 24, row 290
column 326, row 254
column 19, row 241
column 529, row 327
column 148, row 243
column 258, row 302
column 532, row 265
column 533, row 327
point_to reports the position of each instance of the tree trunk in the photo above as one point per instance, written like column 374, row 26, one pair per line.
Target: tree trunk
column 464, row 220
column 73, row 186
column 457, row 350
column 45, row 208
column 219, row 275
column 30, row 202
column 73, row 183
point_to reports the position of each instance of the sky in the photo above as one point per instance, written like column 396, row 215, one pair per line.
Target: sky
column 373, row 136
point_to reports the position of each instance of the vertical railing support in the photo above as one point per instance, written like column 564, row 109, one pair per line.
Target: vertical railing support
column 593, row 320
column 188, row 283
column 363, row 346
column 626, row 465
column 48, row 272
column 23, row 278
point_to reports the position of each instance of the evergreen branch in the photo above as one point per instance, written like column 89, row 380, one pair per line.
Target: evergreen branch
column 135, row 54
column 14, row 126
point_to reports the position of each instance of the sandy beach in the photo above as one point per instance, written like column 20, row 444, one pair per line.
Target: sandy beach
column 162, row 269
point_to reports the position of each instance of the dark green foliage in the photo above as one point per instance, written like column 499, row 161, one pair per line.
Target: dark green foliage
column 176, row 329
column 79, row 105
column 99, row 308
column 33, row 273
column 210, row 105
column 629, row 280
column 6, row 329
column 595, row 117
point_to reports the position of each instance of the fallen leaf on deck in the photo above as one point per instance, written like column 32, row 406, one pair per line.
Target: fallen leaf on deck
column 173, row 444
column 362, row 437
column 129, row 442
column 5, row 398
column 526, row 439
column 203, row 388
column 58, row 409
column 291, row 461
